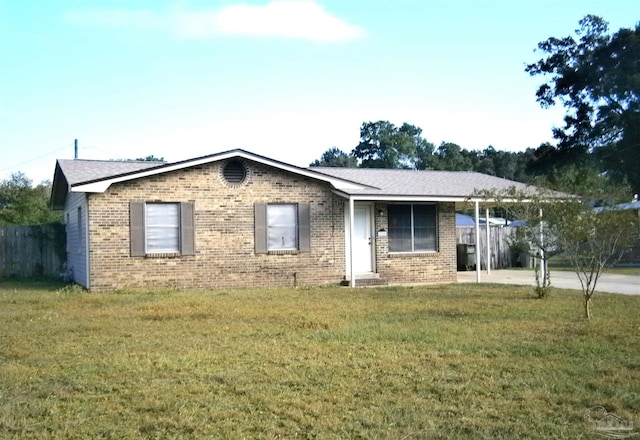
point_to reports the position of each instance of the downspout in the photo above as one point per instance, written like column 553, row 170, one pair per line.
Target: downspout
column 352, row 227
column 488, row 243
column 477, row 214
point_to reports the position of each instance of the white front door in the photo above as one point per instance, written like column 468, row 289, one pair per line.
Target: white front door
column 362, row 240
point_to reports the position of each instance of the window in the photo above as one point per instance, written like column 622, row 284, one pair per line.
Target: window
column 412, row 228
column 281, row 227
column 162, row 228
column 162, row 231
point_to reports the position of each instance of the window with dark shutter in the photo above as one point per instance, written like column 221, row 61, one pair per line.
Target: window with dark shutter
column 161, row 228
column 187, row 228
column 136, row 229
column 282, row 227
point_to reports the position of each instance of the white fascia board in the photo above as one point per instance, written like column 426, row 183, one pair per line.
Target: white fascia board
column 102, row 185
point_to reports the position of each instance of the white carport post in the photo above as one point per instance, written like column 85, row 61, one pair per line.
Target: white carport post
column 477, row 241
column 352, row 227
column 488, row 243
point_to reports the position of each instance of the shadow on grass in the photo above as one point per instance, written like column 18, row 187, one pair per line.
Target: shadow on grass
column 32, row 283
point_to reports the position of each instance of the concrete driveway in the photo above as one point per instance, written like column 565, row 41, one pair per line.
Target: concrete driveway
column 612, row 283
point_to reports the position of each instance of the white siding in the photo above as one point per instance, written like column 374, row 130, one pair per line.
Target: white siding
column 76, row 227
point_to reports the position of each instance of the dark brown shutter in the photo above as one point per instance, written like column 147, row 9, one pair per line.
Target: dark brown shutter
column 304, row 227
column 260, row 228
column 136, row 229
column 187, row 228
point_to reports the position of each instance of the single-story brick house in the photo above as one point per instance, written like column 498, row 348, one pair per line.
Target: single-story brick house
column 237, row 219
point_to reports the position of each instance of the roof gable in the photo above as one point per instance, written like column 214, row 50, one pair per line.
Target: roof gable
column 98, row 176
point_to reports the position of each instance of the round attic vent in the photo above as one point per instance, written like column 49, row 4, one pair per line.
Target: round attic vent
column 234, row 172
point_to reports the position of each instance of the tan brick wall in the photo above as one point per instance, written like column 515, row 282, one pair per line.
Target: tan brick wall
column 428, row 267
column 224, row 235
column 224, row 229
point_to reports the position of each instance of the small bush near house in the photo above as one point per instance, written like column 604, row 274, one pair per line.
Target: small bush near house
column 438, row 362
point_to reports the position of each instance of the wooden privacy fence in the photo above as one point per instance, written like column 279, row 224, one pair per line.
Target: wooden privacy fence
column 27, row 251
column 501, row 255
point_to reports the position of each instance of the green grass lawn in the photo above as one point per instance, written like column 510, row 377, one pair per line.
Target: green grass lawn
column 437, row 362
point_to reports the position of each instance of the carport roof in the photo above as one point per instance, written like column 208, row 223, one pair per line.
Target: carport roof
column 384, row 183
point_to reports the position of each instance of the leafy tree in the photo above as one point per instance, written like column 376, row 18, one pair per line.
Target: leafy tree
column 23, row 204
column 591, row 239
column 483, row 161
column 423, row 156
column 451, row 157
column 151, row 158
column 596, row 77
column 383, row 145
column 335, row 157
column 533, row 237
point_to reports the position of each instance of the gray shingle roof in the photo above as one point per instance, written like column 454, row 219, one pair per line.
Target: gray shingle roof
column 394, row 182
column 370, row 183
column 80, row 170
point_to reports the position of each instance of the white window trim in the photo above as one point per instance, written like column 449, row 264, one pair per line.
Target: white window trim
column 296, row 226
column 177, row 248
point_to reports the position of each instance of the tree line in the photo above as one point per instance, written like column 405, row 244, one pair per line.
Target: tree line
column 594, row 75
column 384, row 145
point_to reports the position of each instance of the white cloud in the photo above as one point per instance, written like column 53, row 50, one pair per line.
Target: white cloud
column 295, row 19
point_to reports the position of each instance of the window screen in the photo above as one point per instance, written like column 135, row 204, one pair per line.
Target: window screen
column 282, row 227
column 162, row 221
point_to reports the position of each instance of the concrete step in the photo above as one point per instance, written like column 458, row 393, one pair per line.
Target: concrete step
column 373, row 279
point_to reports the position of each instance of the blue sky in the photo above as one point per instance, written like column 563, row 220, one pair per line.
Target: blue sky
column 286, row 79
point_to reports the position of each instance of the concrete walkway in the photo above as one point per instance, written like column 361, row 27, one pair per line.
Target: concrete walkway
column 612, row 283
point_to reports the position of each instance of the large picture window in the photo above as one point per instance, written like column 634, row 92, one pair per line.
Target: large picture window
column 413, row 228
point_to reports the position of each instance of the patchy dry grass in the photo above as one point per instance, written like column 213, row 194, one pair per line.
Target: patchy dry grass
column 440, row 362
